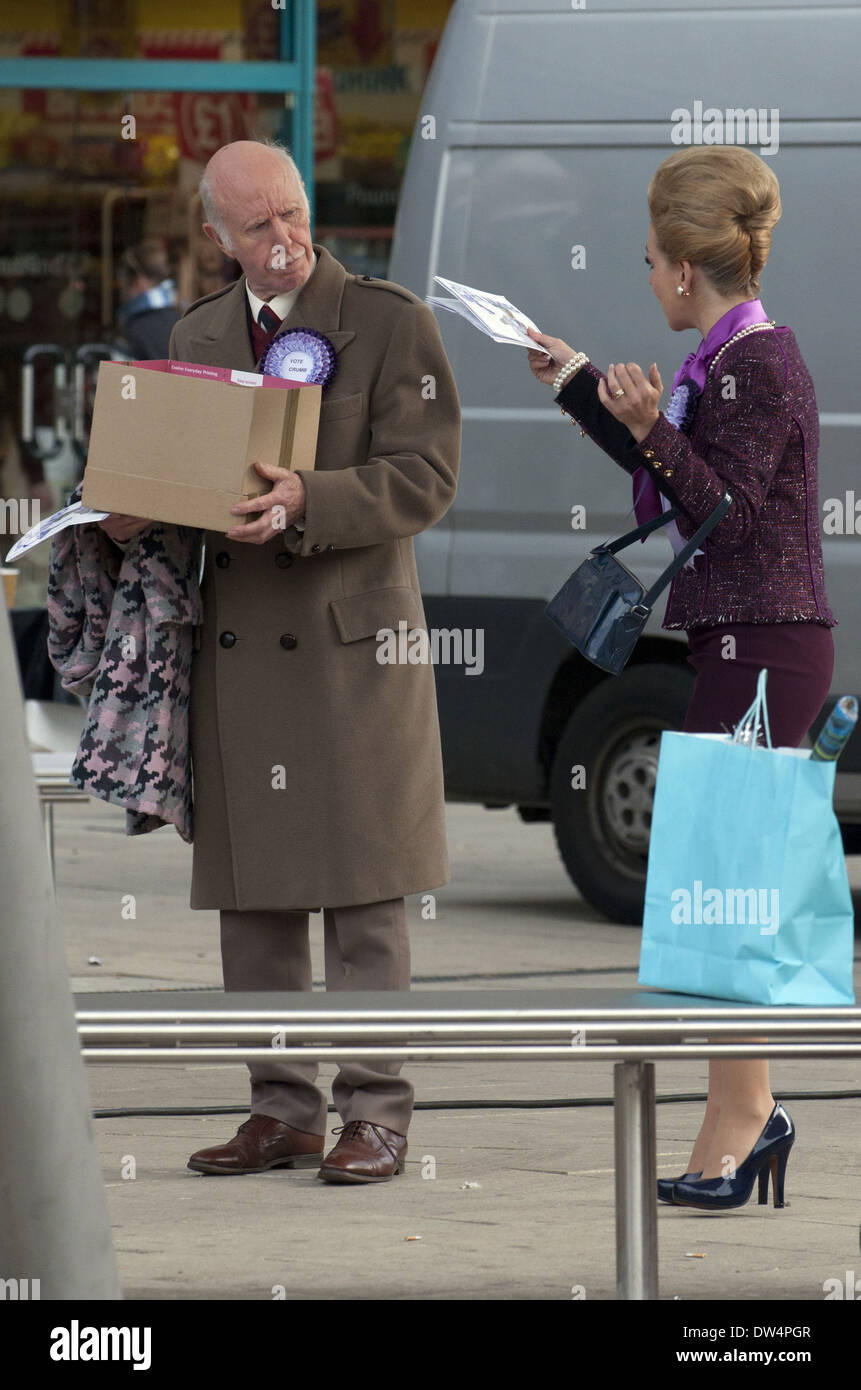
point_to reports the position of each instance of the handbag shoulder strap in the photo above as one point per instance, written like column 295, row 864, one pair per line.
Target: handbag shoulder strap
column 690, row 549
column 640, row 533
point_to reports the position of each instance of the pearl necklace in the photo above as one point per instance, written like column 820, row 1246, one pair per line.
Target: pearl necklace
column 751, row 328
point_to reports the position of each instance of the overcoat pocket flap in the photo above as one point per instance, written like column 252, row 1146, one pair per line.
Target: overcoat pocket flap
column 339, row 407
column 364, row 615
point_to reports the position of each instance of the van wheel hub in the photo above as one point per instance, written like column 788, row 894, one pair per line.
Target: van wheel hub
column 628, row 791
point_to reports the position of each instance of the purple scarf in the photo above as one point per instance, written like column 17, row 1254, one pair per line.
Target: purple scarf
column 688, row 384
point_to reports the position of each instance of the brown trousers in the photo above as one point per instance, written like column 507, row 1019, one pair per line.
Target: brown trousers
column 366, row 948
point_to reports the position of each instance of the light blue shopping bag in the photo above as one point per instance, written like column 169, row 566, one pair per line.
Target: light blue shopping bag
column 747, row 896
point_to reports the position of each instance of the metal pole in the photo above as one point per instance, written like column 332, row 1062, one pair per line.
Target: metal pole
column 53, row 1216
column 636, row 1178
column 49, row 834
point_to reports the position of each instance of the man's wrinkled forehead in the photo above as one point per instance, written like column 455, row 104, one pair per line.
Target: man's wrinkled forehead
column 254, row 201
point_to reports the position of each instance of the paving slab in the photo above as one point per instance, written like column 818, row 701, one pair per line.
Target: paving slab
column 508, row 1191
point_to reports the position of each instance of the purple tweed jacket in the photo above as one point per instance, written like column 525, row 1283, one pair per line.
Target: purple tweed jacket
column 754, row 434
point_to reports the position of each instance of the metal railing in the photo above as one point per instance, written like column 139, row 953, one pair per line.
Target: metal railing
column 633, row 1031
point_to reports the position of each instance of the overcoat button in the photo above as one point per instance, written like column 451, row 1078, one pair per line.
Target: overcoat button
column 228, row 639
column 222, row 559
column 330, row 547
column 288, row 641
column 314, row 549
column 283, row 560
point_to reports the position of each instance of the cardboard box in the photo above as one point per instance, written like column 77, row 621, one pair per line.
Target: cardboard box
column 175, row 441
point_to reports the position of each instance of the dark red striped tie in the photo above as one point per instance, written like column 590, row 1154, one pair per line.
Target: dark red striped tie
column 263, row 331
column 268, row 320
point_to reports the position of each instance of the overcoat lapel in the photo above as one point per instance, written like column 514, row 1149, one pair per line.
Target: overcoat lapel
column 318, row 304
column 226, row 342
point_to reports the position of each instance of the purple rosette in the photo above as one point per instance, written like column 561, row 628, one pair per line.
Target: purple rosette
column 301, row 354
column 682, row 404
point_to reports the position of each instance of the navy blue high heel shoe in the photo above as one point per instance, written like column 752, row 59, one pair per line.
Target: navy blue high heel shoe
column 666, row 1185
column 769, row 1154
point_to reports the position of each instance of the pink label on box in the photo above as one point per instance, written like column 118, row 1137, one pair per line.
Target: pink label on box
column 228, row 374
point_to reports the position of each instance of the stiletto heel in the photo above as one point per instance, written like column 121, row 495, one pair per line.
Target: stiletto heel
column 763, row 1185
column 770, row 1153
column 778, row 1165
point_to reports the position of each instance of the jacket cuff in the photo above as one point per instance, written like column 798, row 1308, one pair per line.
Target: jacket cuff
column 579, row 399
column 662, row 452
column 659, row 449
column 307, row 535
column 667, row 457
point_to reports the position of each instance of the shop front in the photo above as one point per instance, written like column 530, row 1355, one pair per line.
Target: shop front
column 109, row 110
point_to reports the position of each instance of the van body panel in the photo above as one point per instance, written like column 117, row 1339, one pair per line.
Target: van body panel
column 549, row 122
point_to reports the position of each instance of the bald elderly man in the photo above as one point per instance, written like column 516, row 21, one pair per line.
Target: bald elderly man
column 317, row 767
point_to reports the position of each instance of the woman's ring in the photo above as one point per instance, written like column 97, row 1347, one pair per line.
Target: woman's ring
column 617, row 394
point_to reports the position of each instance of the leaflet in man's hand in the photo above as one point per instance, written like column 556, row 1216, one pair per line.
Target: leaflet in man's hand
column 75, row 515
column 491, row 313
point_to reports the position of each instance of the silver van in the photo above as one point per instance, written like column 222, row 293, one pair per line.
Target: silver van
column 541, row 126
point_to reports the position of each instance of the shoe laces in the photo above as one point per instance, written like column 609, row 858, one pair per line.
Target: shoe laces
column 353, row 1130
column 251, row 1123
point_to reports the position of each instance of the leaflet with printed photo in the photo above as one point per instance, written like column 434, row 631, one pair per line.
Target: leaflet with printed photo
column 75, row 515
column 493, row 314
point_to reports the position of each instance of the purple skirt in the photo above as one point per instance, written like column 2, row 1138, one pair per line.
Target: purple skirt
column 799, row 658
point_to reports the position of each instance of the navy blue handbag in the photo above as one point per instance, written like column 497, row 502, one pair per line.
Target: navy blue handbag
column 602, row 608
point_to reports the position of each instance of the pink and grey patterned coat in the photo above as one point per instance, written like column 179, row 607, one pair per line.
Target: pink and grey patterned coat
column 121, row 630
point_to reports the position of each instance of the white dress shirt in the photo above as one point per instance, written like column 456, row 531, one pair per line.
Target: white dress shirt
column 281, row 304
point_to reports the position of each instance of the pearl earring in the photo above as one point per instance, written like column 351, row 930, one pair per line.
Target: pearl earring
column 680, row 289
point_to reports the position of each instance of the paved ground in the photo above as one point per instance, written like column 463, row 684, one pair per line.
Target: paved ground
column 521, row 1204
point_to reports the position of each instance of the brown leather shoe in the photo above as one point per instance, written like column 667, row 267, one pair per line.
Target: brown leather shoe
column 261, row 1143
column 364, row 1153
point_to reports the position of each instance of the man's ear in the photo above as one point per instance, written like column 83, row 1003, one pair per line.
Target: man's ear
column 213, row 236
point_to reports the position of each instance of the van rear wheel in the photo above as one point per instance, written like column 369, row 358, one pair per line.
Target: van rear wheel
column 603, row 780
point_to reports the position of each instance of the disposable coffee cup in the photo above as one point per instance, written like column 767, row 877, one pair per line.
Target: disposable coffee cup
column 10, row 583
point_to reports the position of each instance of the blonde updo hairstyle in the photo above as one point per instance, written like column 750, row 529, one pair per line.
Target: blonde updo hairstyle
column 716, row 208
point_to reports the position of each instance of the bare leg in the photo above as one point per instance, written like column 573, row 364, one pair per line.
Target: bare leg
column 708, row 1128
column 742, row 1104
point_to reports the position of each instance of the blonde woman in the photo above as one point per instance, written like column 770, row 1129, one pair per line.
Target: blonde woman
column 741, row 419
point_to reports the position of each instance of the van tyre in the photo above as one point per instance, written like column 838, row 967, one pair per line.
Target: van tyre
column 602, row 826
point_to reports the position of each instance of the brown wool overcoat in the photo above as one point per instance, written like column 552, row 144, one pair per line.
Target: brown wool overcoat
column 360, row 815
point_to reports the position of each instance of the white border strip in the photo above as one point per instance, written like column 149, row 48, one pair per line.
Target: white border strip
column 504, row 412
